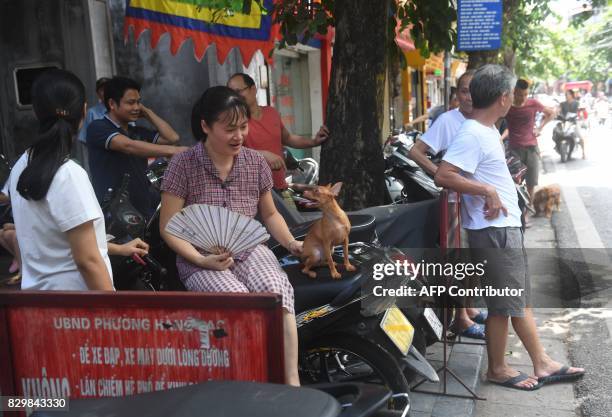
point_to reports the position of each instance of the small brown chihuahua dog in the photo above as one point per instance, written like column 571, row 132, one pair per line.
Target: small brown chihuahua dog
column 331, row 229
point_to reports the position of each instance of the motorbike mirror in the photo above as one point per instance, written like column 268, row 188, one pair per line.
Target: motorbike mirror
column 290, row 162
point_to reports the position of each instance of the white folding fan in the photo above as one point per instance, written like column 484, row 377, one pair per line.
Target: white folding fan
column 216, row 229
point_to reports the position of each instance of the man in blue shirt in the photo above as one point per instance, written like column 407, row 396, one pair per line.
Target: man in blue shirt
column 94, row 112
column 117, row 147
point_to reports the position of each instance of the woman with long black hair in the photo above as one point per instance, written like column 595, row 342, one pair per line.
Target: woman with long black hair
column 220, row 171
column 59, row 223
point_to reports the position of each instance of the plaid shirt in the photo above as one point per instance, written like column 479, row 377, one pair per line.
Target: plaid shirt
column 191, row 175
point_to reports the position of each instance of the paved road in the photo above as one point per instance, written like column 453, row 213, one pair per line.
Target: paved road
column 584, row 236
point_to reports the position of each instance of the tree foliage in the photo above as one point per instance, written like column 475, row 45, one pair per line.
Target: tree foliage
column 222, row 8
column 549, row 57
column 524, row 35
column 574, row 52
column 521, row 25
column 431, row 22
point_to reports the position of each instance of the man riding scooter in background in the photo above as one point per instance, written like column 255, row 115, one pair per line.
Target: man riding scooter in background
column 571, row 106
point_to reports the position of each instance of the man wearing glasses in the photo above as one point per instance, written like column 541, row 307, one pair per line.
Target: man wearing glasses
column 268, row 135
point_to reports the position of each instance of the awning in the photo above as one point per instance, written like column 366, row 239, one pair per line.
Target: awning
column 415, row 59
column 571, row 85
column 403, row 39
column 183, row 20
column 432, row 65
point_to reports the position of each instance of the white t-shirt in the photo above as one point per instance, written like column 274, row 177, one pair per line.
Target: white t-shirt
column 478, row 152
column 41, row 227
column 438, row 137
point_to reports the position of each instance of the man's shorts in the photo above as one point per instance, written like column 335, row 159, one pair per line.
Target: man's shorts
column 530, row 157
column 502, row 251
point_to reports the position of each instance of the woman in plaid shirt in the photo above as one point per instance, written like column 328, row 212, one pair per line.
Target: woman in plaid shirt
column 219, row 171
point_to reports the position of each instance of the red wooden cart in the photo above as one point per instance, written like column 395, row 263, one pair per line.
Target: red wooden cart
column 100, row 344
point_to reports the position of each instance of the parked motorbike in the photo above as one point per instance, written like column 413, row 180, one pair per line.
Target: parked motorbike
column 239, row 399
column 155, row 172
column 406, row 180
column 416, row 221
column 348, row 334
column 301, row 171
column 301, row 175
column 123, row 224
column 565, row 135
column 518, row 170
column 411, row 221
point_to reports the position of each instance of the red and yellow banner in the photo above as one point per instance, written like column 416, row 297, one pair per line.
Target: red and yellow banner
column 183, row 19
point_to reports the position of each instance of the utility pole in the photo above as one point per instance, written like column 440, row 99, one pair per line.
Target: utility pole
column 447, row 77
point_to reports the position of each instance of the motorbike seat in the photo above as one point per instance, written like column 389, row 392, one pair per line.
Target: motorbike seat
column 217, row 398
column 316, row 292
column 411, row 225
column 363, row 226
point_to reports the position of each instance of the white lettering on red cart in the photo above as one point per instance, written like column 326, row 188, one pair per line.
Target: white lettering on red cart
column 45, row 387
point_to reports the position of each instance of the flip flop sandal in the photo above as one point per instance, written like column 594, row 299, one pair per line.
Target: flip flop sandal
column 511, row 383
column 475, row 331
column 480, row 317
column 561, row 376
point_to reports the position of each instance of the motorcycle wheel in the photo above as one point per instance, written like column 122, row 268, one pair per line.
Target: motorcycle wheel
column 343, row 358
column 563, row 148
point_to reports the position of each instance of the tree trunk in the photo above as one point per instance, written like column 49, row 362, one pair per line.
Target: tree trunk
column 477, row 59
column 353, row 153
column 509, row 57
column 509, row 51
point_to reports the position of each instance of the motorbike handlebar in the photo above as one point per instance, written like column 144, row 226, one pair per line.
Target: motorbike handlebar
column 151, row 263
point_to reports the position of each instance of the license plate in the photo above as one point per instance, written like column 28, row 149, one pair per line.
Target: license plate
column 397, row 327
column 434, row 322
